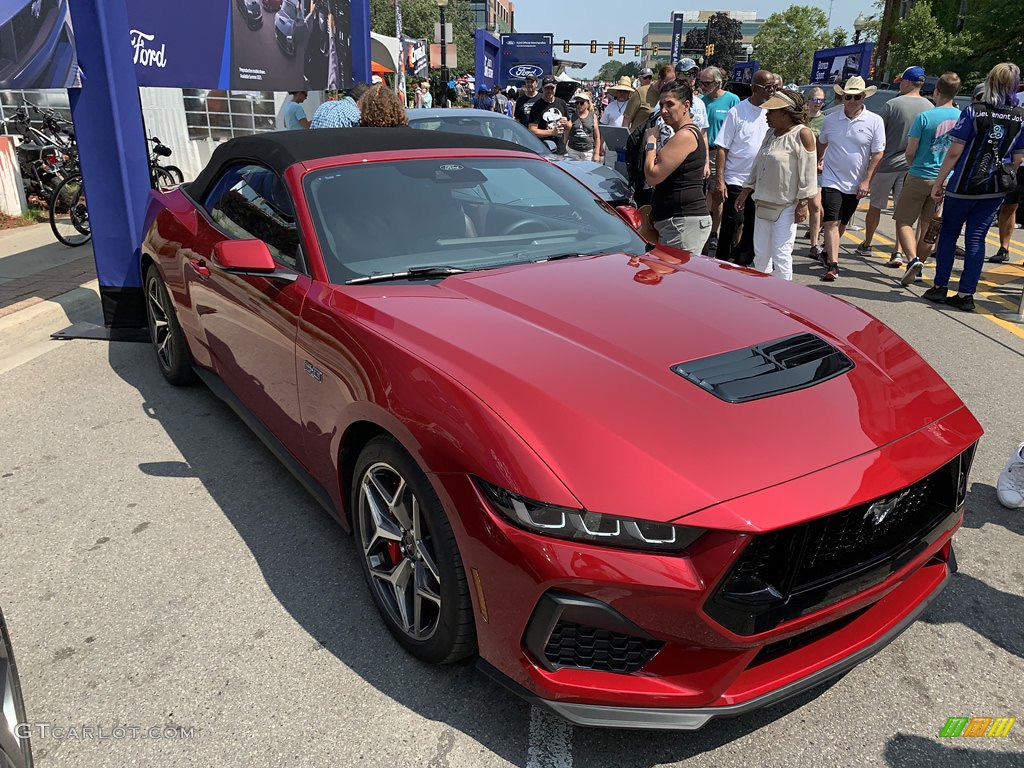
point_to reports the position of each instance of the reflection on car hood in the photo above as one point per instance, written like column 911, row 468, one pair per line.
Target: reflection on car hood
column 576, row 354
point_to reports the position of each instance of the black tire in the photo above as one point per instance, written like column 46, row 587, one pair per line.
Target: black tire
column 425, row 549
column 175, row 171
column 172, row 353
column 161, row 178
column 69, row 216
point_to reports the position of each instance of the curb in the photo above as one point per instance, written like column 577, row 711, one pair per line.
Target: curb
column 29, row 329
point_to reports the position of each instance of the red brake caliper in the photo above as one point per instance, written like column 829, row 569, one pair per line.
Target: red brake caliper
column 395, row 552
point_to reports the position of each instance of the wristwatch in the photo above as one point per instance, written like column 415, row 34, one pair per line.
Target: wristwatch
column 650, row 146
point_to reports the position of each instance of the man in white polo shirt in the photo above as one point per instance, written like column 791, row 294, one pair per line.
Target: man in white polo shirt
column 738, row 141
column 850, row 146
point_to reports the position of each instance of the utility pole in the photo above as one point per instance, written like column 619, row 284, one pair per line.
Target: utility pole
column 885, row 39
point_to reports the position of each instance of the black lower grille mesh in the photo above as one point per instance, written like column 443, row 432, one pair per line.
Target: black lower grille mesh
column 577, row 645
column 788, row 573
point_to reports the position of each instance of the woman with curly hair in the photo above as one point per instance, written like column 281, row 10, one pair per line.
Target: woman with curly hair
column 381, row 108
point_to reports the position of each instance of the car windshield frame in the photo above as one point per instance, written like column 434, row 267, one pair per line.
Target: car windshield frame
column 523, row 136
column 379, row 218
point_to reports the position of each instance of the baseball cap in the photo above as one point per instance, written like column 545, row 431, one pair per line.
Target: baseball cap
column 531, row 76
column 549, row 80
column 646, row 73
column 685, row 65
column 914, row 74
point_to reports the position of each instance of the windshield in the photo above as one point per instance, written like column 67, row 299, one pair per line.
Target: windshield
column 496, row 127
column 466, row 213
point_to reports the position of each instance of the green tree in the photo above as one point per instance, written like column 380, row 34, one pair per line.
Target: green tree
column 418, row 20
column 787, row 40
column 918, row 39
column 609, row 71
column 994, row 27
column 838, row 39
column 726, row 35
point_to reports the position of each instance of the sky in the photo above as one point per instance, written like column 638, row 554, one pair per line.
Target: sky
column 584, row 20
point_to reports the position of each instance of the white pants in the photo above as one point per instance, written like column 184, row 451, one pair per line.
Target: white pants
column 773, row 244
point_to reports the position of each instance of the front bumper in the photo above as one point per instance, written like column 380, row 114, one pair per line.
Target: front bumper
column 691, row 719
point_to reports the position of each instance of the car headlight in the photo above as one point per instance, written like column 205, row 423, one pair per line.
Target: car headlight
column 589, row 527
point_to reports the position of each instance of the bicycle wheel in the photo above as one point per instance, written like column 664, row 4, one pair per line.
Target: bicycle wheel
column 69, row 218
column 175, row 171
column 162, row 178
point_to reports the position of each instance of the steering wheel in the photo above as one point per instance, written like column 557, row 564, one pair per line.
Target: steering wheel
column 524, row 226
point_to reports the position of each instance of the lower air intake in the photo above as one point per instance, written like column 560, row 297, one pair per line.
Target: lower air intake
column 577, row 645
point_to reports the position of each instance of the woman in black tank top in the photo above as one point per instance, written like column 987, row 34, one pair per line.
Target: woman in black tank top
column 676, row 172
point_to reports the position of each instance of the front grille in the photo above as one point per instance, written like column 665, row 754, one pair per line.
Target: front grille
column 791, row 572
column 768, row 369
column 577, row 645
column 790, row 644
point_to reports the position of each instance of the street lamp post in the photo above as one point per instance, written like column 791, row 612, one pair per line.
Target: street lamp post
column 441, row 5
column 858, row 26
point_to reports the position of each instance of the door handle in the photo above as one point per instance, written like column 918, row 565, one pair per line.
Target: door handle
column 201, row 269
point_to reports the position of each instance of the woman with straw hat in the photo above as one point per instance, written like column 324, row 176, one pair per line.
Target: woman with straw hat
column 620, row 93
column 783, row 182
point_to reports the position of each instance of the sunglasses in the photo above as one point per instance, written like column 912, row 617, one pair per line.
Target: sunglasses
column 853, row 97
column 707, row 82
column 817, row 101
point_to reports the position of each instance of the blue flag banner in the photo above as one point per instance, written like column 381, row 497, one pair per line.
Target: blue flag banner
column 525, row 54
column 37, row 45
column 837, row 65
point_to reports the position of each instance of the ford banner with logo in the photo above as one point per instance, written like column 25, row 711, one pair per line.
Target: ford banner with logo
column 250, row 45
column 37, row 45
column 487, row 54
column 525, row 54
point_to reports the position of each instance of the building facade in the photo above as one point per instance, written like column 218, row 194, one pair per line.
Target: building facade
column 495, row 16
column 660, row 32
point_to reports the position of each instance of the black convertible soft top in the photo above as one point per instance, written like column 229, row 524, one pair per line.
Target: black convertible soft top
column 281, row 149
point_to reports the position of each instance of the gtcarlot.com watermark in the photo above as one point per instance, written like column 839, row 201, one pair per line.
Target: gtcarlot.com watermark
column 85, row 732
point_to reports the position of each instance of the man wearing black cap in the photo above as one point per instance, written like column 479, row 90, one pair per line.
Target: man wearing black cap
column 526, row 100
column 550, row 115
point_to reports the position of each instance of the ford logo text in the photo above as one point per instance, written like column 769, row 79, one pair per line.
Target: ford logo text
column 525, row 70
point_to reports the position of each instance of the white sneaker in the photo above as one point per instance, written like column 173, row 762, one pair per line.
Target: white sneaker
column 1010, row 485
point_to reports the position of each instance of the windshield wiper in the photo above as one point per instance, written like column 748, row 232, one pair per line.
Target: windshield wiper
column 413, row 273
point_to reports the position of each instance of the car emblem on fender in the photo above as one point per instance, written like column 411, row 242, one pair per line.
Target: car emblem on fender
column 883, row 507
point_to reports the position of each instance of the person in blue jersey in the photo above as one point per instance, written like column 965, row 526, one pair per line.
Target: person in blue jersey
column 987, row 149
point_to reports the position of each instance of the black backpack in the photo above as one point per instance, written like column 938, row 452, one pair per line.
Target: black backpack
column 635, row 154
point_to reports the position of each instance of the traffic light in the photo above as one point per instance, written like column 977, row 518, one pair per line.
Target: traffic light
column 565, row 46
column 611, row 48
column 622, row 45
column 636, row 50
column 654, row 51
column 709, row 49
column 593, row 46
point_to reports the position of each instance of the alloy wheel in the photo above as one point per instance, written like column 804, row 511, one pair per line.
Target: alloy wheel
column 397, row 546
column 159, row 326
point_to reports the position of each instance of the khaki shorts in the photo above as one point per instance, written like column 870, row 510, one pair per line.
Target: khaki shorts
column 915, row 203
column 882, row 185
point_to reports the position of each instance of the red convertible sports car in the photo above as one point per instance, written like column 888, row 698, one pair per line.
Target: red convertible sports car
column 646, row 488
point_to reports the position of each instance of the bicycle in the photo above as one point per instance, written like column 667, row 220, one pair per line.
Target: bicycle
column 163, row 176
column 69, row 216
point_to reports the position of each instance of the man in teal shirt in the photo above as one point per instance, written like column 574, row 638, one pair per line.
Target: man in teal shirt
column 718, row 102
column 927, row 143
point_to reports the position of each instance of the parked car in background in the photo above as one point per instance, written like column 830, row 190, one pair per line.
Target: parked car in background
column 289, row 27
column 15, row 747
column 37, row 45
column 604, row 180
column 529, row 418
column 251, row 12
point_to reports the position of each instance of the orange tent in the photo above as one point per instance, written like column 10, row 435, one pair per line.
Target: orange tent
column 380, row 69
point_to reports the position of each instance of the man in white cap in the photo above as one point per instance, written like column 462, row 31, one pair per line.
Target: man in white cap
column 850, row 147
column 642, row 101
column 615, row 111
column 688, row 69
column 898, row 115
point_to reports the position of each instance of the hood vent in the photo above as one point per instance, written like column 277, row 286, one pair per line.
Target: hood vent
column 768, row 369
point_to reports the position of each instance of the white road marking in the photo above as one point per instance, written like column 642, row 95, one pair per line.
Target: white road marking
column 550, row 741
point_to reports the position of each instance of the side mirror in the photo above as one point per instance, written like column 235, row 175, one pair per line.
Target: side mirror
column 631, row 216
column 244, row 256
column 249, row 257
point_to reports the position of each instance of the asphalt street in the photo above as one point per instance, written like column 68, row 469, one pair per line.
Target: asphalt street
column 257, row 50
column 158, row 567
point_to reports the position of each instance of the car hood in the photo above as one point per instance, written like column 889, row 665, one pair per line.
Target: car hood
column 576, row 357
